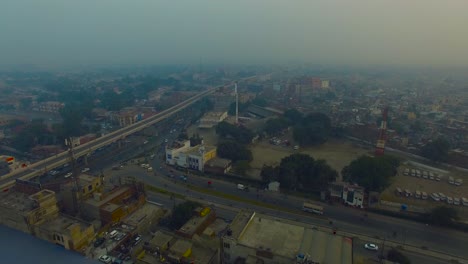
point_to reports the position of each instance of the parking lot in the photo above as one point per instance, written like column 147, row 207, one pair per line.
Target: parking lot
column 117, row 244
column 428, row 185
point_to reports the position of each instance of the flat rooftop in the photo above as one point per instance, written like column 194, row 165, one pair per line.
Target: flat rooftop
column 287, row 239
column 107, row 198
column 181, row 246
column 196, row 150
column 161, row 239
column 193, row 223
column 281, row 238
column 110, row 207
column 240, row 222
column 86, row 179
column 143, row 213
column 63, row 224
column 17, row 201
column 218, row 162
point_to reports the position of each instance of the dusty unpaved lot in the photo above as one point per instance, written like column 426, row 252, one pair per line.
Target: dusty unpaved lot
column 337, row 153
column 429, row 186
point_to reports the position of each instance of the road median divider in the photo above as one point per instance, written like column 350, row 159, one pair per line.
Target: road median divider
column 155, row 189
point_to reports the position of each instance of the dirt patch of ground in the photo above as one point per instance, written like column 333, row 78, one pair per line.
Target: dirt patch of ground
column 337, row 153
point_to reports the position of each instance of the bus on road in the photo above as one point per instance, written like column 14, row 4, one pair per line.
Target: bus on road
column 312, row 208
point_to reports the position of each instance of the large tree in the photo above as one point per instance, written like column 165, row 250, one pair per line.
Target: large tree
column 300, row 172
column 239, row 133
column 293, row 115
column 443, row 215
column 275, row 125
column 373, row 173
column 436, row 150
column 314, row 129
column 34, row 133
column 182, row 213
column 234, row 151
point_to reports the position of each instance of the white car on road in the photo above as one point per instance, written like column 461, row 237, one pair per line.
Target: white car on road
column 371, row 246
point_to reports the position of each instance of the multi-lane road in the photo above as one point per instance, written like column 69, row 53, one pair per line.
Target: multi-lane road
column 37, row 168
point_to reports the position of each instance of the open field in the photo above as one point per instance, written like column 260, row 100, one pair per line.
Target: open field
column 337, row 153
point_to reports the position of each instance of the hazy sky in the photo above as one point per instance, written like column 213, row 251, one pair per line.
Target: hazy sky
column 55, row 32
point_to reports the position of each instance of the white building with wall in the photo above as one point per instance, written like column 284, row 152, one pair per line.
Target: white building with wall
column 175, row 154
column 182, row 155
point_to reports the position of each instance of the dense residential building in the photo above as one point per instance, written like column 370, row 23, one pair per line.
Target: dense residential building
column 22, row 211
column 71, row 233
column 202, row 217
column 50, row 106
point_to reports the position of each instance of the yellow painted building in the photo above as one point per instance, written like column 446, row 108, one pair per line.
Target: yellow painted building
column 71, row 233
column 197, row 157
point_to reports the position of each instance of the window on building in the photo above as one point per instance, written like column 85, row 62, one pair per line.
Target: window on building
column 227, row 255
column 227, row 245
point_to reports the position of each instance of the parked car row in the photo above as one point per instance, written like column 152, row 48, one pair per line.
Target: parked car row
column 408, row 193
column 422, row 174
column 456, row 182
column 435, row 196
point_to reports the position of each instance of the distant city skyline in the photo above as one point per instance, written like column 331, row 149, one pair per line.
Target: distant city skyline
column 358, row 32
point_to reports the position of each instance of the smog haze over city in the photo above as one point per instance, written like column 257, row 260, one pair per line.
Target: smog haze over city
column 233, row 132
column 359, row 32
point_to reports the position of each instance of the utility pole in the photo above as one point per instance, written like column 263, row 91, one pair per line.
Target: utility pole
column 237, row 103
column 383, row 250
column 75, row 174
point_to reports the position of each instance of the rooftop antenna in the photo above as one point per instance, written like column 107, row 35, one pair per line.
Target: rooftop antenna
column 237, row 103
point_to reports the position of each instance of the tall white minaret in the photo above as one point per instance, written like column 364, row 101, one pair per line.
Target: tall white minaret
column 237, row 103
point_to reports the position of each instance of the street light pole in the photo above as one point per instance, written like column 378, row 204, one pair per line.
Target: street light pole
column 383, row 250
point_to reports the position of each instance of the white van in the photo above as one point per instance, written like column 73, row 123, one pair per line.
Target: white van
column 442, row 196
column 113, row 233
column 435, row 197
column 450, row 180
column 425, row 175
column 398, row 191
column 406, row 172
column 449, row 200
column 458, row 182
column 417, row 194
column 456, row 201
column 408, row 193
column 424, row 195
column 240, row 187
column 464, row 201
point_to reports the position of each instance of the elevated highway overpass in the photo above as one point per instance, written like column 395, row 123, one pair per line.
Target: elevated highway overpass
column 35, row 169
